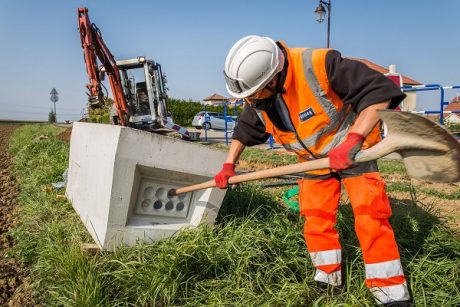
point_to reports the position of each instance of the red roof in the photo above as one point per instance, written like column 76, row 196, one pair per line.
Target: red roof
column 383, row 70
column 454, row 105
column 215, row 97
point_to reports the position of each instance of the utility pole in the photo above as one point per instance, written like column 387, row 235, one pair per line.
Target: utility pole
column 54, row 98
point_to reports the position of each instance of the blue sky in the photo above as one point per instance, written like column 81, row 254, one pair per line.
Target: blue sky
column 190, row 39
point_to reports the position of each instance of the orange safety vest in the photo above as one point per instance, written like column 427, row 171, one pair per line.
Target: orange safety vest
column 320, row 118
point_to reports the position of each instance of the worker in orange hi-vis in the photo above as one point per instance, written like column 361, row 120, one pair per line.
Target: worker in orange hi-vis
column 317, row 104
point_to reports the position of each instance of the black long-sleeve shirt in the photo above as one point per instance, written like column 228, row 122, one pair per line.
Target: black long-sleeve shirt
column 354, row 82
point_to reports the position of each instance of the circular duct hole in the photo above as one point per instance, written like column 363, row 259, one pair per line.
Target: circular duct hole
column 149, row 192
column 169, row 206
column 157, row 205
column 180, row 206
column 182, row 196
column 145, row 204
column 170, row 194
column 162, row 194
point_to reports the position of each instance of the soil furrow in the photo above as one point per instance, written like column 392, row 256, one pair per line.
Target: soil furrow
column 13, row 277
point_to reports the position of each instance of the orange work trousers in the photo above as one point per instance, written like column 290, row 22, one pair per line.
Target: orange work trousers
column 319, row 201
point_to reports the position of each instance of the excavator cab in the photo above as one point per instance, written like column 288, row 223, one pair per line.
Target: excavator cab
column 140, row 99
column 146, row 99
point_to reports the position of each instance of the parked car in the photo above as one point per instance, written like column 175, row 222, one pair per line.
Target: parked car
column 213, row 120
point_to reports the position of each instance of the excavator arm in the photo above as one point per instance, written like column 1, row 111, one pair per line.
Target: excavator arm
column 95, row 49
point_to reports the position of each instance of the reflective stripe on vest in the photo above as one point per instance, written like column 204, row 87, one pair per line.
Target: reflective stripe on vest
column 337, row 139
column 261, row 117
column 339, row 121
column 320, row 95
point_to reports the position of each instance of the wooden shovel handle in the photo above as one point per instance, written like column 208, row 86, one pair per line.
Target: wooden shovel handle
column 268, row 173
column 375, row 152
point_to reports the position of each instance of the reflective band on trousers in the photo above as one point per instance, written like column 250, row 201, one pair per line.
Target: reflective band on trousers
column 385, row 269
column 333, row 256
column 389, row 294
column 334, row 278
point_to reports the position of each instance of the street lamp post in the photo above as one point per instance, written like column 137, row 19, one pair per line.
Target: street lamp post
column 321, row 12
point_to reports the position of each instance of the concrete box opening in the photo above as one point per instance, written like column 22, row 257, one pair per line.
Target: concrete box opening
column 119, row 180
column 152, row 205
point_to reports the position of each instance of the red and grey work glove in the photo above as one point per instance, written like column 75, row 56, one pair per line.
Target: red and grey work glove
column 221, row 179
column 342, row 157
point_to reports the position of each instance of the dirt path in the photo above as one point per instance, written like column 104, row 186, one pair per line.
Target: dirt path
column 12, row 274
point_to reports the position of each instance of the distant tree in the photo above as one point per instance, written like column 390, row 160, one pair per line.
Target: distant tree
column 165, row 82
column 51, row 116
column 183, row 111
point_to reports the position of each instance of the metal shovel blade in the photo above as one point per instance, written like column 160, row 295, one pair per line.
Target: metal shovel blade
column 428, row 150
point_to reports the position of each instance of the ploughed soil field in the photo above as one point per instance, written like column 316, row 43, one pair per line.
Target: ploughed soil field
column 13, row 277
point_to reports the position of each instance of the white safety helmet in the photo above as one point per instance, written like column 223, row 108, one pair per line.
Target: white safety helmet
column 250, row 65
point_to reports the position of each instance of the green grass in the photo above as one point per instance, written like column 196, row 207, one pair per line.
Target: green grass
column 388, row 167
column 391, row 167
column 253, row 256
column 398, row 186
column 455, row 195
column 267, row 157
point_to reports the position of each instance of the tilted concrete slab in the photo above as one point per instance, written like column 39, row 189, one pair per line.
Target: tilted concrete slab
column 119, row 178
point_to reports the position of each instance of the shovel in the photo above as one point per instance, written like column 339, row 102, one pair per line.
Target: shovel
column 428, row 151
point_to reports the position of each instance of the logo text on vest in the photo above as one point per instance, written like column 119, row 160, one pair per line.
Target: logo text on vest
column 307, row 114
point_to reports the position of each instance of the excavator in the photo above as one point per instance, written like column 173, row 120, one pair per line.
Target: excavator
column 137, row 104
